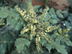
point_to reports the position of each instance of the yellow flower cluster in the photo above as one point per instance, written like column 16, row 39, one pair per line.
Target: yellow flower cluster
column 48, row 29
column 23, row 14
column 44, row 13
column 30, row 10
column 67, row 30
column 51, row 28
column 63, row 33
column 38, row 39
column 25, row 29
column 66, row 35
column 33, row 33
column 26, row 17
column 38, row 44
column 20, row 11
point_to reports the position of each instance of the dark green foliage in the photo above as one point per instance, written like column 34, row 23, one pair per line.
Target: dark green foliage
column 7, row 38
column 32, row 33
column 12, row 18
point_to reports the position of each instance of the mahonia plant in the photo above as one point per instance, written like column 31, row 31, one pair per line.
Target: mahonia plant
column 39, row 29
column 35, row 24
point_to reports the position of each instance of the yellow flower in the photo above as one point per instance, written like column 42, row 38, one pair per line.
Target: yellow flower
column 31, row 36
column 66, row 35
column 35, row 21
column 60, row 31
column 38, row 38
column 68, row 30
column 57, row 34
column 21, row 11
column 31, row 27
column 45, row 30
column 22, row 14
column 34, row 28
column 24, row 30
column 24, row 11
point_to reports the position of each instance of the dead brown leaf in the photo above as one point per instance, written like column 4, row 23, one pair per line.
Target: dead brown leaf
column 59, row 3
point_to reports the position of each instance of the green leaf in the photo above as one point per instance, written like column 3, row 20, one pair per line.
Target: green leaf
column 49, row 46
column 26, row 50
column 9, row 46
column 58, row 38
column 4, row 12
column 52, row 11
column 18, row 26
column 54, row 35
column 59, row 14
column 14, row 14
column 47, row 17
column 52, row 14
column 70, row 18
column 40, row 10
column 20, row 47
column 58, row 11
column 26, row 42
column 25, row 6
column 3, row 48
column 69, row 43
column 64, row 12
column 35, row 52
column 37, row 6
column 67, row 24
column 43, row 42
column 60, row 48
column 23, row 52
column 15, row 52
column 11, row 21
column 20, row 42
column 53, row 21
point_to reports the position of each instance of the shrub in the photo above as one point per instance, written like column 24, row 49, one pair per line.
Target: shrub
column 33, row 33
